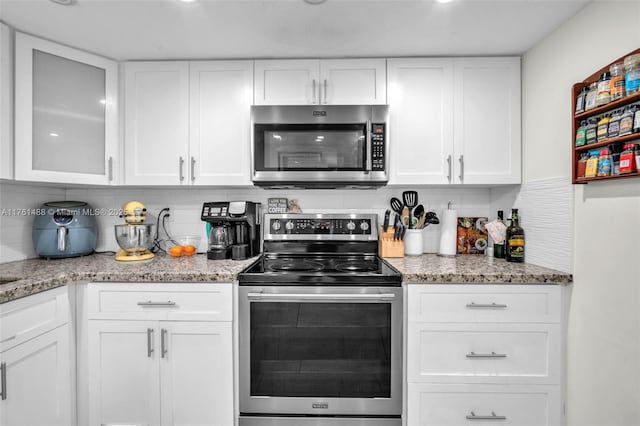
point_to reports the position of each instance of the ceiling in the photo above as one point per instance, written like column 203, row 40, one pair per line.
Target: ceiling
column 210, row 29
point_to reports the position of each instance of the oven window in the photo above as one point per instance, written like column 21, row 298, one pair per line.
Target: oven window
column 309, row 147
column 321, row 349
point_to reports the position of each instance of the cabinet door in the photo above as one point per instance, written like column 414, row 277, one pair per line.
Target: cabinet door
column 197, row 374
column 157, row 123
column 420, row 95
column 287, row 82
column 123, row 373
column 221, row 97
column 6, row 103
column 37, row 377
column 66, row 116
column 487, row 120
column 353, row 81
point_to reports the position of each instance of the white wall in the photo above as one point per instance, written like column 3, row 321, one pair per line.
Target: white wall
column 604, row 318
column 185, row 205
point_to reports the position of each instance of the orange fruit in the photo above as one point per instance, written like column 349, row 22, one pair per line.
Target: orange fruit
column 176, row 251
column 189, row 250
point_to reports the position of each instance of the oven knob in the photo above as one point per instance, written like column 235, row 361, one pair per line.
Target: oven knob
column 289, row 225
column 276, row 225
column 364, row 225
column 351, row 226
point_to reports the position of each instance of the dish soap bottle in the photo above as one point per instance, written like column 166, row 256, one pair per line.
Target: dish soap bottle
column 515, row 240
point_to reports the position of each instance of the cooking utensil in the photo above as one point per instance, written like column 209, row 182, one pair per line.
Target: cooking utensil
column 432, row 218
column 417, row 212
column 385, row 225
column 410, row 198
column 396, row 205
column 396, row 228
column 405, row 216
column 423, row 216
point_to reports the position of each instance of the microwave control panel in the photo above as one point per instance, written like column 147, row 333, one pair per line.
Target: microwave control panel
column 378, row 146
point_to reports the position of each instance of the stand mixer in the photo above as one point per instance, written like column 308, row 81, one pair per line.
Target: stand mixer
column 134, row 237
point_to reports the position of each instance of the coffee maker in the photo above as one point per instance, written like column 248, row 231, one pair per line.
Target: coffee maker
column 233, row 229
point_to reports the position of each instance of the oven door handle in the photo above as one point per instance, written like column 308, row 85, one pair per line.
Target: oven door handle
column 317, row 296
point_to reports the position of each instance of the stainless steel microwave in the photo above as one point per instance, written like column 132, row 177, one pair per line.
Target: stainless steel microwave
column 320, row 146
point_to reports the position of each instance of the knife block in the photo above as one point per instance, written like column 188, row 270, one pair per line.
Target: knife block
column 387, row 247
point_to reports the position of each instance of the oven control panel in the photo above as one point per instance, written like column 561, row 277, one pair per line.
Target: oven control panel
column 295, row 226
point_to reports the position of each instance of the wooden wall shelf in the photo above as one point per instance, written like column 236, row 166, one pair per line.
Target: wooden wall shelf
column 594, row 112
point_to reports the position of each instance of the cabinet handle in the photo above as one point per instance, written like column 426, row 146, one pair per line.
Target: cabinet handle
column 163, row 342
column 3, row 381
column 493, row 416
column 110, row 169
column 492, row 305
column 9, row 338
column 461, row 159
column 181, row 166
column 150, row 303
column 149, row 342
column 449, row 166
column 369, row 164
column 193, row 169
column 325, row 91
column 313, row 101
column 491, row 355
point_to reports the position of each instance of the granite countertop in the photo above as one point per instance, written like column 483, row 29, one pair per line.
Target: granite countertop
column 431, row 268
column 36, row 275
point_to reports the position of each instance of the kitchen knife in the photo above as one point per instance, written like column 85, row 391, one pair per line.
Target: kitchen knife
column 386, row 220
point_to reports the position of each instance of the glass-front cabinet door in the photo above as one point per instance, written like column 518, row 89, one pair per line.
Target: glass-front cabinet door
column 66, row 114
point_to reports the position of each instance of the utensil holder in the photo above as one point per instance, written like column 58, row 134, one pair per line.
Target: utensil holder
column 387, row 247
column 413, row 242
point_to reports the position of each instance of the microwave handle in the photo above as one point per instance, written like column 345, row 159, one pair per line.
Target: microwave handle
column 369, row 154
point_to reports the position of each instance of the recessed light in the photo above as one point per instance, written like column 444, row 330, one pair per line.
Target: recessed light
column 64, row 2
column 53, row 135
column 187, row 1
column 315, row 1
column 444, row 1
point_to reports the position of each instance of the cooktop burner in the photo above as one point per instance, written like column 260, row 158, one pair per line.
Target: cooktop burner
column 294, row 265
column 356, row 266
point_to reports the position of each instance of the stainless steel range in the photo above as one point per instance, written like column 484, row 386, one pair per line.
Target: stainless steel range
column 320, row 325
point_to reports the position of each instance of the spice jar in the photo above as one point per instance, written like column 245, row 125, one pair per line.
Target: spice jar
column 592, row 164
column 581, row 168
column 626, row 121
column 627, row 160
column 632, row 74
column 636, row 119
column 580, row 99
column 617, row 81
column 603, row 95
column 603, row 127
column 581, row 133
column 615, row 159
column 614, row 124
column 590, row 131
column 590, row 99
column 604, row 163
column 636, row 151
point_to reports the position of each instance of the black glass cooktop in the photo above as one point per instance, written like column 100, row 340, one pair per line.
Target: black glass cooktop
column 320, row 269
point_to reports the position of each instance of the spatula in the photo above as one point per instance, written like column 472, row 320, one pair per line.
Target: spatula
column 396, row 205
column 410, row 199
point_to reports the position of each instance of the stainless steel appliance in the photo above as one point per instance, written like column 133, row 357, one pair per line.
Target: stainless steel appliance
column 320, row 326
column 320, row 146
column 64, row 229
column 233, row 229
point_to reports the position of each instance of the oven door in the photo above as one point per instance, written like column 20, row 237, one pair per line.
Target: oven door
column 320, row 350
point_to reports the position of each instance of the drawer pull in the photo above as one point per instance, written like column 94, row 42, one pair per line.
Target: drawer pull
column 9, row 338
column 3, row 381
column 491, row 355
column 149, row 342
column 150, row 303
column 163, row 342
column 486, row 305
column 493, row 416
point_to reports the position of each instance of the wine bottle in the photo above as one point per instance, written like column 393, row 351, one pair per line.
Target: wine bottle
column 498, row 248
column 515, row 240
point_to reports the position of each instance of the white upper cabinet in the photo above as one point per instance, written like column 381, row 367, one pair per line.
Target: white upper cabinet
column 188, row 123
column 311, row 82
column 6, row 103
column 487, row 120
column 421, row 112
column 65, row 114
column 156, row 109
column 221, row 94
column 454, row 120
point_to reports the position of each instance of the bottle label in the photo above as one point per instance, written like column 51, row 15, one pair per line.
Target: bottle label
column 516, row 247
column 632, row 81
column 614, row 129
column 626, row 125
column 617, row 87
column 592, row 167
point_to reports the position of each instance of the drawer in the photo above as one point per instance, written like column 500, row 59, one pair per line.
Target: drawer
column 159, row 301
column 494, row 353
column 484, row 303
column 464, row 405
column 26, row 318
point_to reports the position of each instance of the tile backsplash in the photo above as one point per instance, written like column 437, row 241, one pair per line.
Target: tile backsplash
column 185, row 205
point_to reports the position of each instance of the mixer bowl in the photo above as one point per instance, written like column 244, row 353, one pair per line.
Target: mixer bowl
column 135, row 238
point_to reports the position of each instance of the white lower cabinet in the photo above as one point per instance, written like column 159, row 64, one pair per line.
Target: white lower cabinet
column 159, row 371
column 492, row 357
column 35, row 360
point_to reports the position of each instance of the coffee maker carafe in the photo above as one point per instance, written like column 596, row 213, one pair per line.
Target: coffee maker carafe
column 233, row 229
